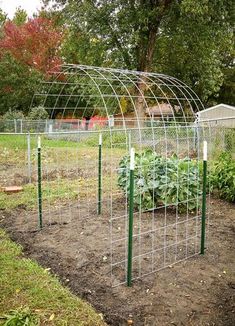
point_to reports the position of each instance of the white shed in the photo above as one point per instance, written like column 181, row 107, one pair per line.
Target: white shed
column 220, row 114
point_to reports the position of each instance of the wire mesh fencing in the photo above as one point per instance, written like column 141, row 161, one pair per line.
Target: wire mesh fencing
column 166, row 221
column 85, row 188
column 43, row 126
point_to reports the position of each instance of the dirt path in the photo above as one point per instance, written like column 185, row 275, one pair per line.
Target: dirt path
column 199, row 291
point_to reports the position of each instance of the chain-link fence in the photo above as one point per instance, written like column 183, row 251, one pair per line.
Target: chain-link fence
column 39, row 126
column 220, row 134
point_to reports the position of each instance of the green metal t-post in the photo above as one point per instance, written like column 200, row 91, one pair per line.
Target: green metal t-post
column 100, row 175
column 39, row 184
column 29, row 158
column 131, row 211
column 203, row 226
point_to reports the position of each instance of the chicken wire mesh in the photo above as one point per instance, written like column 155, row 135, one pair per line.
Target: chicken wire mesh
column 77, row 177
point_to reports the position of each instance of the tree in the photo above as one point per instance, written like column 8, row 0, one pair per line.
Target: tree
column 17, row 84
column 227, row 93
column 35, row 43
column 3, row 18
column 196, row 45
column 126, row 31
column 20, row 17
column 186, row 38
column 29, row 50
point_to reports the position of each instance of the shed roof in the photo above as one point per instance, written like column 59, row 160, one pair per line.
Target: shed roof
column 160, row 110
column 226, row 106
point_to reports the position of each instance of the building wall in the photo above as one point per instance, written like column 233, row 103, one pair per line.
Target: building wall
column 230, row 123
column 219, row 112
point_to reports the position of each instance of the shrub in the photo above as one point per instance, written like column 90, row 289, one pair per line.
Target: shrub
column 7, row 123
column 38, row 113
column 222, row 177
column 13, row 115
column 162, row 181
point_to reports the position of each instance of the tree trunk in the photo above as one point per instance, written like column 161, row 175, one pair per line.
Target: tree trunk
column 87, row 123
column 145, row 52
column 144, row 65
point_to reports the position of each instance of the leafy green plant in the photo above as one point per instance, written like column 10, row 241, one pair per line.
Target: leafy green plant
column 222, row 177
column 38, row 113
column 20, row 317
column 7, row 123
column 13, row 115
column 230, row 140
column 162, row 181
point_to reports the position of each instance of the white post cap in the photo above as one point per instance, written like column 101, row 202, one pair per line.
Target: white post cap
column 132, row 160
column 39, row 142
column 204, row 150
column 100, row 139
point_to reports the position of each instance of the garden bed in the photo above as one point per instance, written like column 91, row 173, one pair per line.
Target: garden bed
column 197, row 291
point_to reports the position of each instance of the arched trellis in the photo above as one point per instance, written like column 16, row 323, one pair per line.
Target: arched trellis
column 76, row 86
column 155, row 114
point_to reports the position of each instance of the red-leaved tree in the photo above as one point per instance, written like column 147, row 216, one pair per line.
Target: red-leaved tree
column 35, row 43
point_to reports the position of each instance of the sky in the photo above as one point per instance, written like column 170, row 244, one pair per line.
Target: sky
column 9, row 6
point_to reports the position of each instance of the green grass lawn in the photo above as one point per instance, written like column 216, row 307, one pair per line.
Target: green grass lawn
column 35, row 294
column 58, row 157
column 52, row 192
column 60, row 191
column 13, row 150
column 25, row 287
column 20, row 142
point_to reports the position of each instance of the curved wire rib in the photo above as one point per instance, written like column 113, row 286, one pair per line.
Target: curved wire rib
column 151, row 111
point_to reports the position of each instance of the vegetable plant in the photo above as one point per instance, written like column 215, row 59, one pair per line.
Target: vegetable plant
column 170, row 181
column 222, row 177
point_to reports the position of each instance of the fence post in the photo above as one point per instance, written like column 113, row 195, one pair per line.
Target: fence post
column 100, row 175
column 39, row 184
column 129, row 141
column 29, row 157
column 46, row 127
column 15, row 126
column 203, row 226
column 21, row 126
column 50, row 127
column 131, row 211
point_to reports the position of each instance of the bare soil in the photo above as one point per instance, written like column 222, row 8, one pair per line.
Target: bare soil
column 197, row 291
column 10, row 175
